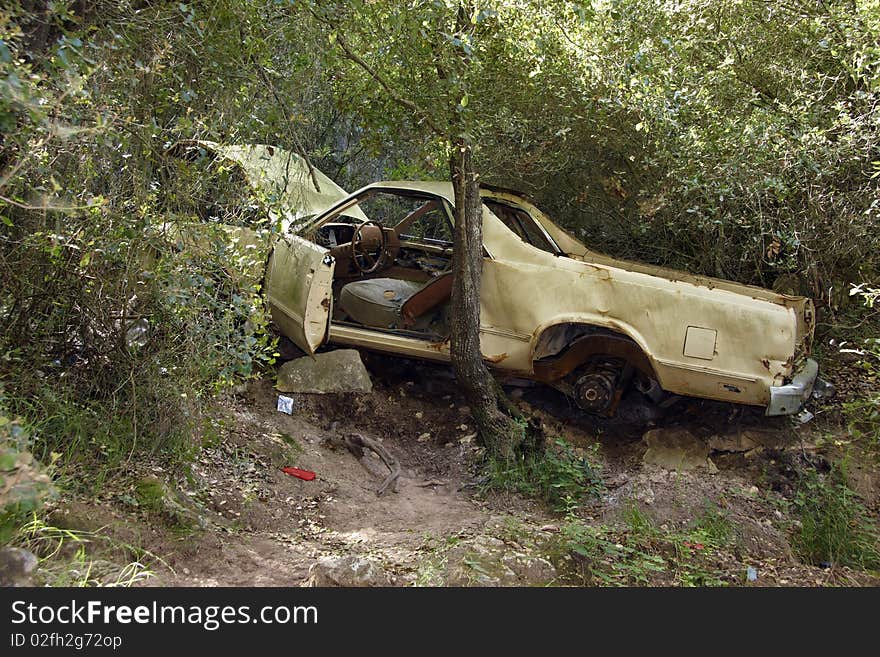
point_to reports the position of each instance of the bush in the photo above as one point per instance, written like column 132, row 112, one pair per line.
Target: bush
column 862, row 412
column 559, row 476
column 24, row 484
column 729, row 141
column 834, row 527
column 108, row 351
column 641, row 553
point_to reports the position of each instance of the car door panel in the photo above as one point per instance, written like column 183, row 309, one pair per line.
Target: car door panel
column 300, row 291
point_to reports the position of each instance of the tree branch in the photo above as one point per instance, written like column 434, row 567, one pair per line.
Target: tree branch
column 396, row 97
column 297, row 144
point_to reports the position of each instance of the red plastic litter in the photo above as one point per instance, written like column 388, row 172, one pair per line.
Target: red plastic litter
column 305, row 475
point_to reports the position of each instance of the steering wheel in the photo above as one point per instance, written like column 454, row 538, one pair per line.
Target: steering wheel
column 365, row 261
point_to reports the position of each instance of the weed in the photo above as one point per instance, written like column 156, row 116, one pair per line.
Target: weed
column 65, row 559
column 863, row 417
column 641, row 553
column 290, row 441
column 861, row 409
column 181, row 513
column 713, row 526
column 639, row 522
column 432, row 565
column 834, row 526
column 150, row 494
column 608, row 558
column 559, row 476
column 24, row 483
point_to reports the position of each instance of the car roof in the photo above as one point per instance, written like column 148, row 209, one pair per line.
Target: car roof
column 433, row 187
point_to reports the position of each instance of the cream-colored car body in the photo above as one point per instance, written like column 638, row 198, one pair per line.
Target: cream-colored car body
column 702, row 337
column 542, row 313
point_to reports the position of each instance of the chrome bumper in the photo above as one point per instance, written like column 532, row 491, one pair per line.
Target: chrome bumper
column 788, row 399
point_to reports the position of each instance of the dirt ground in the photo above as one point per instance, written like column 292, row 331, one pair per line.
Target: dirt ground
column 237, row 520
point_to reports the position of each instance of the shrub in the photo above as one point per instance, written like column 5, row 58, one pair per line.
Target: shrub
column 834, row 526
column 559, row 475
column 24, row 484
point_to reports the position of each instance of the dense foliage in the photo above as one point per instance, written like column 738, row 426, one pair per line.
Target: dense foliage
column 736, row 139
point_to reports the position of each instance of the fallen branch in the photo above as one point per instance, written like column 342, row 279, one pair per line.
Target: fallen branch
column 356, row 444
column 433, row 482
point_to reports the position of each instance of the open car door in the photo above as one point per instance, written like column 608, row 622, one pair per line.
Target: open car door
column 300, row 291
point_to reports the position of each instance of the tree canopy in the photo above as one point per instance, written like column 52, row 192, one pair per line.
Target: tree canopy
column 734, row 139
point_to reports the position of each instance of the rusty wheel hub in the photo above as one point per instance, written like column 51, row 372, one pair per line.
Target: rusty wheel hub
column 595, row 391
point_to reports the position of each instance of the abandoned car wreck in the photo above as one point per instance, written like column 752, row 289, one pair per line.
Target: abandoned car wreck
column 372, row 270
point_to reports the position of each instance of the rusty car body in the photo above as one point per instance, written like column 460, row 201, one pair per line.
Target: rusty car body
column 372, row 270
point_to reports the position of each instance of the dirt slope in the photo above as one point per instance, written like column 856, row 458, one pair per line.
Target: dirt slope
column 236, row 519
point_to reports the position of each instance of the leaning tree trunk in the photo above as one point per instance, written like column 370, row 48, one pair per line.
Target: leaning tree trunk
column 498, row 432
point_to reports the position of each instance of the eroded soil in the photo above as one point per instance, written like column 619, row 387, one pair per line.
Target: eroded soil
column 237, row 520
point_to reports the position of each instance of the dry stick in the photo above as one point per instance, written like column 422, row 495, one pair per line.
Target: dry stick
column 296, row 142
column 369, row 70
column 356, row 443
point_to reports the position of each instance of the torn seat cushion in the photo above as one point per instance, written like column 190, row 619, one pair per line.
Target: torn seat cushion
column 377, row 301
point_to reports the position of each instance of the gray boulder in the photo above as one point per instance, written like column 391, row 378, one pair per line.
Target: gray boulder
column 347, row 571
column 331, row 371
column 16, row 566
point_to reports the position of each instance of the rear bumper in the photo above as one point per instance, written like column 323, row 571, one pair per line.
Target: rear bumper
column 788, row 399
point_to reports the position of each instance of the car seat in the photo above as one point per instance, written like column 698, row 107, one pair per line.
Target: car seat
column 394, row 303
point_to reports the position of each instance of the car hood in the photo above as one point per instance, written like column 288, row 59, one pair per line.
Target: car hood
column 283, row 177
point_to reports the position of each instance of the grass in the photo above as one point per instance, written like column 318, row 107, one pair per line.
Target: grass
column 714, row 526
column 560, row 476
column 93, row 442
column 66, row 559
column 431, row 569
column 640, row 553
column 862, row 416
column 834, row 526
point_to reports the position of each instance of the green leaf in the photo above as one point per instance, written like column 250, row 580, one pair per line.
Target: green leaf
column 7, row 459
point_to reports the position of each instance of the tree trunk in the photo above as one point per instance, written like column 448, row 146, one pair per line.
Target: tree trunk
column 499, row 433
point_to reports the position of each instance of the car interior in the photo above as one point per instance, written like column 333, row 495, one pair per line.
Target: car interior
column 393, row 271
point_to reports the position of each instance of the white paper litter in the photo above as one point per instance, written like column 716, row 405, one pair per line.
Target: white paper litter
column 285, row 404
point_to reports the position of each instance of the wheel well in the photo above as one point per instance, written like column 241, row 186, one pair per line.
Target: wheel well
column 562, row 348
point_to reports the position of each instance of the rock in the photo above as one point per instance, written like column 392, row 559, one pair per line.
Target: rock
column 739, row 442
column 675, row 449
column 769, row 439
column 645, row 494
column 530, row 571
column 490, row 562
column 16, row 566
column 157, row 496
column 347, row 571
column 331, row 371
